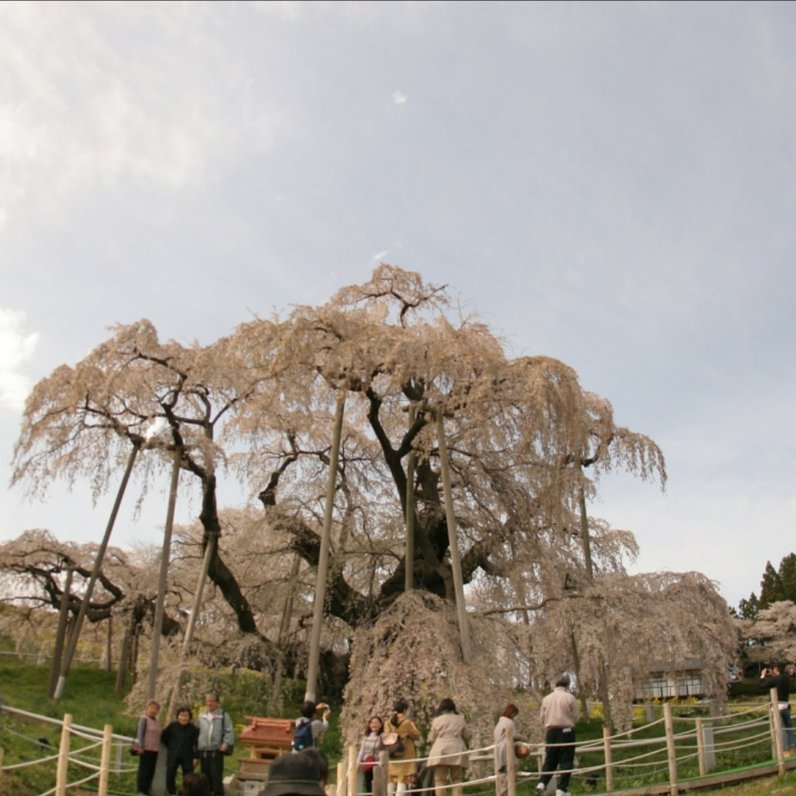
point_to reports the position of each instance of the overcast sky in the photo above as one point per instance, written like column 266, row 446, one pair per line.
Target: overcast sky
column 613, row 185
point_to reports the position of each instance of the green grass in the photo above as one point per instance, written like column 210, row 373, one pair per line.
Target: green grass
column 90, row 699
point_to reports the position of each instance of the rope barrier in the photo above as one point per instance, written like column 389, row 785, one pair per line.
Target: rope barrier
column 631, row 757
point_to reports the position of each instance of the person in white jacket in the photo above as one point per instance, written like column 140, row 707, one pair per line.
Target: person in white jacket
column 559, row 713
column 216, row 737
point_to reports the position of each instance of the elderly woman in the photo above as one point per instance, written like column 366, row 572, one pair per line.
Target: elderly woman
column 448, row 755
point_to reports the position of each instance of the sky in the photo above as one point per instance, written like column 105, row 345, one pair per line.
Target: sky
column 611, row 184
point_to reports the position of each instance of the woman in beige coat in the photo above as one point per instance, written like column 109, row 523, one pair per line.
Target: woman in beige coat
column 448, row 755
column 401, row 769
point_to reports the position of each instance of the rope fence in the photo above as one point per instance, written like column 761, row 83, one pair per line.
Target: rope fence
column 689, row 749
column 106, row 746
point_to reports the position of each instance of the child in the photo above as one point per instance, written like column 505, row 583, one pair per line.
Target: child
column 369, row 750
column 147, row 744
column 180, row 738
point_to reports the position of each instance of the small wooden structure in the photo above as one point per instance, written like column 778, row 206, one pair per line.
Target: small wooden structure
column 266, row 739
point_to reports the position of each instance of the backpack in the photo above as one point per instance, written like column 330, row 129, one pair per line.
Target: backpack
column 302, row 734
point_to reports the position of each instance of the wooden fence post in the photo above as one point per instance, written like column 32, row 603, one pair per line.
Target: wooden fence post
column 609, row 760
column 380, row 775
column 671, row 752
column 63, row 757
column 706, row 746
column 700, row 733
column 352, row 770
column 2, row 754
column 105, row 760
column 777, row 743
column 340, row 787
column 511, row 763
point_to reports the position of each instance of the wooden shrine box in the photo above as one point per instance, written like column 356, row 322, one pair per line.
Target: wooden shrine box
column 266, row 740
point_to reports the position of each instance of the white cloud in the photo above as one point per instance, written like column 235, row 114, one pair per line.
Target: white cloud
column 15, row 349
column 88, row 103
column 399, row 98
column 379, row 256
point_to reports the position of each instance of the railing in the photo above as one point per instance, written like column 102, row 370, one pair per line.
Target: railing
column 680, row 752
column 99, row 753
column 658, row 757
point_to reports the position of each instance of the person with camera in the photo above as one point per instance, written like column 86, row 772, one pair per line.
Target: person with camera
column 308, row 728
column 777, row 677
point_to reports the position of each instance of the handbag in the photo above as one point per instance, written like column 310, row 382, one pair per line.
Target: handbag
column 368, row 763
column 392, row 744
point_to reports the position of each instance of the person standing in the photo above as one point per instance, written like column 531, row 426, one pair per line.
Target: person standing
column 180, row 738
column 777, row 677
column 448, row 755
column 216, row 736
column 309, row 729
column 502, row 747
column 402, row 766
column 147, row 746
column 368, row 756
column 559, row 714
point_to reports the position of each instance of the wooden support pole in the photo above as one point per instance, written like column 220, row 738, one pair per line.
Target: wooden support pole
column 192, row 619
column 2, row 754
column 66, row 663
column 323, row 562
column 450, row 519
column 165, row 556
column 409, row 513
column 609, row 759
column 62, row 767
column 105, row 760
column 671, row 751
column 340, row 786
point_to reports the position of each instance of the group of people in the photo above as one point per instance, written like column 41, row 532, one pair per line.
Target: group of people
column 207, row 741
column 398, row 735
column 204, row 742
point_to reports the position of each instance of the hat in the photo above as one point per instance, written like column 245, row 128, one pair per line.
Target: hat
column 294, row 773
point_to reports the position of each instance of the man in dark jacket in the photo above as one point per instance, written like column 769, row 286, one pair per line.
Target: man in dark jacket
column 777, row 677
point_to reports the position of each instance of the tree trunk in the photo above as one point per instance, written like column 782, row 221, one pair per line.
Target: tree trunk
column 107, row 662
column 124, row 659
column 60, row 634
